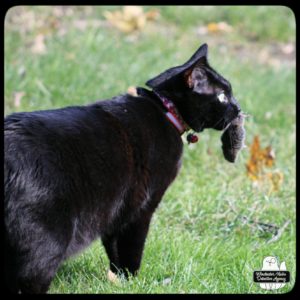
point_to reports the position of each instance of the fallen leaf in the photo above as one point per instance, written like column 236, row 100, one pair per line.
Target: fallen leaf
column 269, row 156
column 212, row 27
column 218, row 27
column 131, row 18
column 276, row 179
column 260, row 159
column 131, row 11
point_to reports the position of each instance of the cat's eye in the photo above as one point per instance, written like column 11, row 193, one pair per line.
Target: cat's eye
column 222, row 98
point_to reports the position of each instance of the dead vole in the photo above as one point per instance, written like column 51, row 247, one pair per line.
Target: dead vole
column 233, row 138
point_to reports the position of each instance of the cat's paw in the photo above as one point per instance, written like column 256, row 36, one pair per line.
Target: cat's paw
column 112, row 277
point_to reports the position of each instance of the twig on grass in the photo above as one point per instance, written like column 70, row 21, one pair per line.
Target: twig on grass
column 279, row 232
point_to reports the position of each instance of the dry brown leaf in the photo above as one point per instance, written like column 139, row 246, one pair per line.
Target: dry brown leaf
column 276, row 179
column 218, row 27
column 130, row 18
column 212, row 27
column 260, row 159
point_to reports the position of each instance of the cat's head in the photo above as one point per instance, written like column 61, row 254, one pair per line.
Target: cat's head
column 202, row 96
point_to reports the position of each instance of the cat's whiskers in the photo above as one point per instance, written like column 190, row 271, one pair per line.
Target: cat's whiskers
column 217, row 123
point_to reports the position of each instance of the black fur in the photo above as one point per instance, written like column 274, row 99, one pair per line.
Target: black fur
column 78, row 173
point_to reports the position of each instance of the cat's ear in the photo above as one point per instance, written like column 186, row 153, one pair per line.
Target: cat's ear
column 196, row 75
column 186, row 69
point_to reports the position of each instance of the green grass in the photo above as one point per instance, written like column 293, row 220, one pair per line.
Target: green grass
column 201, row 237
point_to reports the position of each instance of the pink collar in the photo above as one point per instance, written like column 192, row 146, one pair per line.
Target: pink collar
column 172, row 114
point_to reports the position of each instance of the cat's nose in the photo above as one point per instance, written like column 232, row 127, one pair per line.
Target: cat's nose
column 236, row 105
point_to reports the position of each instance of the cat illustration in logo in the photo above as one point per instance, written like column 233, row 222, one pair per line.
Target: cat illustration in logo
column 270, row 263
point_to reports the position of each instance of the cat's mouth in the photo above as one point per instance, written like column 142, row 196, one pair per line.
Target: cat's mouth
column 238, row 120
column 231, row 118
column 223, row 123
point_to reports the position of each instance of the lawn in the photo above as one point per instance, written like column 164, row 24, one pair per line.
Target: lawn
column 207, row 234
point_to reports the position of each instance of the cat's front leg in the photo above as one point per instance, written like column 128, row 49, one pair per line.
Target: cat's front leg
column 125, row 248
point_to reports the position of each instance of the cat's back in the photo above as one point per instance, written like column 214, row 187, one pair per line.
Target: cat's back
column 70, row 149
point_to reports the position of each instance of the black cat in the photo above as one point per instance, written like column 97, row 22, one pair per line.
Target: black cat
column 82, row 172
